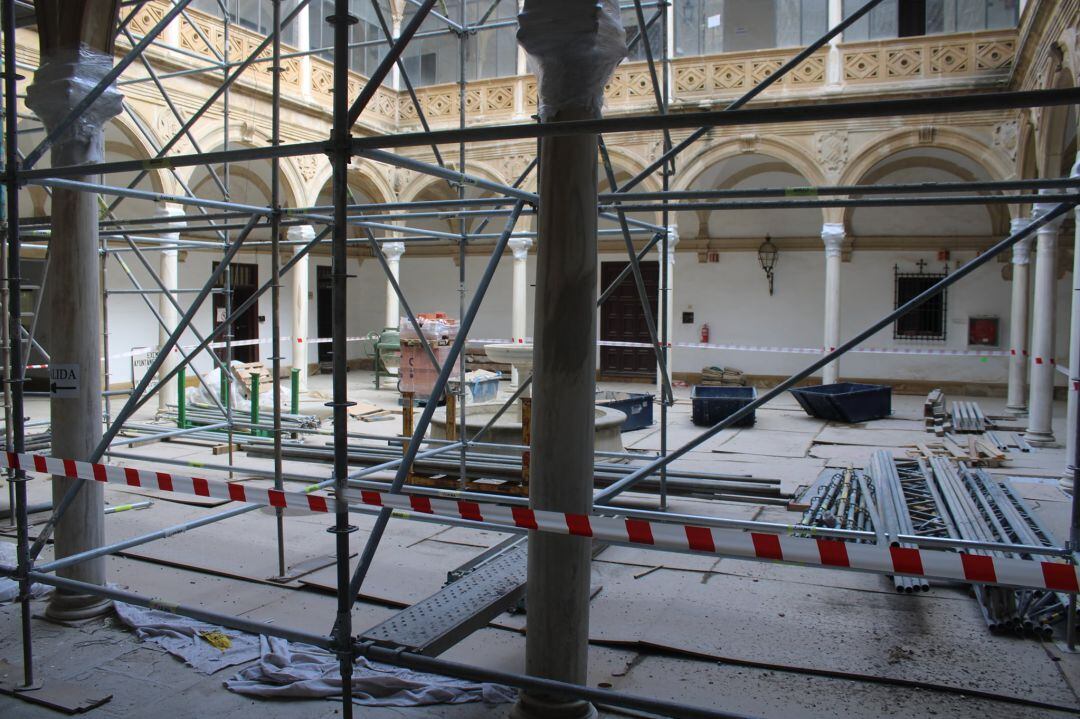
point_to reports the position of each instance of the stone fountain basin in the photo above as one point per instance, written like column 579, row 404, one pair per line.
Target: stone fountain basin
column 508, row 429
column 519, row 355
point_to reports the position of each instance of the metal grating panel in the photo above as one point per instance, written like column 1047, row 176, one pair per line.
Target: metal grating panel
column 437, row 623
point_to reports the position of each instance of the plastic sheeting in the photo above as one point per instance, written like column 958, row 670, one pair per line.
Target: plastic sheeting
column 573, row 47
column 299, row 670
column 289, row 670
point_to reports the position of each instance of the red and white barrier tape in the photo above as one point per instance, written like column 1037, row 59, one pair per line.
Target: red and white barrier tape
column 921, row 351
column 793, row 350
column 934, row 564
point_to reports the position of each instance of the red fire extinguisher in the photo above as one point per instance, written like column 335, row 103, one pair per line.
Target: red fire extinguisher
column 705, row 332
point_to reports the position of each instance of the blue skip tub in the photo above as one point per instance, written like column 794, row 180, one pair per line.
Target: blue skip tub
column 713, row 404
column 636, row 407
column 846, row 401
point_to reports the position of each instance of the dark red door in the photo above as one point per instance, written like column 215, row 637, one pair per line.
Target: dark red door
column 622, row 319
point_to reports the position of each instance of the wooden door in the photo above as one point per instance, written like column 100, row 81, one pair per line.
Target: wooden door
column 324, row 312
column 245, row 283
column 622, row 319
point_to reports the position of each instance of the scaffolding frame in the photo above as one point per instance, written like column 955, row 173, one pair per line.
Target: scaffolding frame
column 233, row 223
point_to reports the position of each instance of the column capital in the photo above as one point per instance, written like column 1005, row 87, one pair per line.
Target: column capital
column 574, row 46
column 672, row 236
column 392, row 251
column 520, row 246
column 60, row 83
column 1021, row 251
column 301, row 233
column 833, row 234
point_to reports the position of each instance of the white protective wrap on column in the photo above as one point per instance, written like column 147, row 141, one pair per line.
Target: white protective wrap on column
column 573, row 47
column 1069, row 476
column 300, row 302
column 169, row 274
column 832, row 234
column 1018, row 318
column 1040, row 428
column 392, row 251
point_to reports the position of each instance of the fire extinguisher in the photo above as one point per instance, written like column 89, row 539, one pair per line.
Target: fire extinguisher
column 705, row 332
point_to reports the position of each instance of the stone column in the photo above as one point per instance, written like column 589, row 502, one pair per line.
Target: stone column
column 393, row 252
column 1018, row 320
column 519, row 306
column 300, row 302
column 833, row 64
column 1040, row 428
column 73, row 304
column 574, row 47
column 169, row 273
column 1069, row 476
column 303, row 43
column 669, row 261
column 832, row 234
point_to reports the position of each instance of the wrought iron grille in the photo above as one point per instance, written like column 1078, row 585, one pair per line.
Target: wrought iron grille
column 926, row 322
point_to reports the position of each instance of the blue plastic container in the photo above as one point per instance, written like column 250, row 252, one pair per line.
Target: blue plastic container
column 846, row 401
column 636, row 407
column 713, row 404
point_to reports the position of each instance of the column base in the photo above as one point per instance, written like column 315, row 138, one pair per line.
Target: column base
column 532, row 707
column 68, row 607
column 1017, row 408
column 1039, row 439
column 1068, row 480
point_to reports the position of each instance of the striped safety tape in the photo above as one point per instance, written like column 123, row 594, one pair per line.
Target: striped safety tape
column 790, row 350
column 737, row 543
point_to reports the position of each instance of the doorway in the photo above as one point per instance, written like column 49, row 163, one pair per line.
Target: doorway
column 245, row 283
column 622, row 319
column 324, row 314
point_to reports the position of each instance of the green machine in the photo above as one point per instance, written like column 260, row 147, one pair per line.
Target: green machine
column 387, row 354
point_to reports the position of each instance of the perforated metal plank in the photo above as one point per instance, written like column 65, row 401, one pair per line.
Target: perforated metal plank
column 437, row 623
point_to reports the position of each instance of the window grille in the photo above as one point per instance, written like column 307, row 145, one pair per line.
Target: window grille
column 926, row 322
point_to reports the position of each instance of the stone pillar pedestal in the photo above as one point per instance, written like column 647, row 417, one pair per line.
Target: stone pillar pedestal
column 73, row 303
column 299, row 275
column 1040, row 430
column 832, row 234
column 1018, row 320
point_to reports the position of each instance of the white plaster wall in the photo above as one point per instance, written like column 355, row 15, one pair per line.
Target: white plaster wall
column 731, row 296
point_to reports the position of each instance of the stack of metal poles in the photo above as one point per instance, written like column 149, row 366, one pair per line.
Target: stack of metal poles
column 839, row 504
column 998, row 605
column 892, row 507
column 1036, row 611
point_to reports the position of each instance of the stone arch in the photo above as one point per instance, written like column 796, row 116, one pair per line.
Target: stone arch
column 1056, row 131
column 160, row 180
column 766, row 154
column 772, row 146
column 907, row 162
column 256, row 171
column 913, row 138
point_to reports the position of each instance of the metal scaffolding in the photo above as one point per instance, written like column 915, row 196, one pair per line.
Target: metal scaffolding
column 230, row 225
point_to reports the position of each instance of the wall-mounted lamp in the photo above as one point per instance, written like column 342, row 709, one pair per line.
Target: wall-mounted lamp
column 766, row 255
